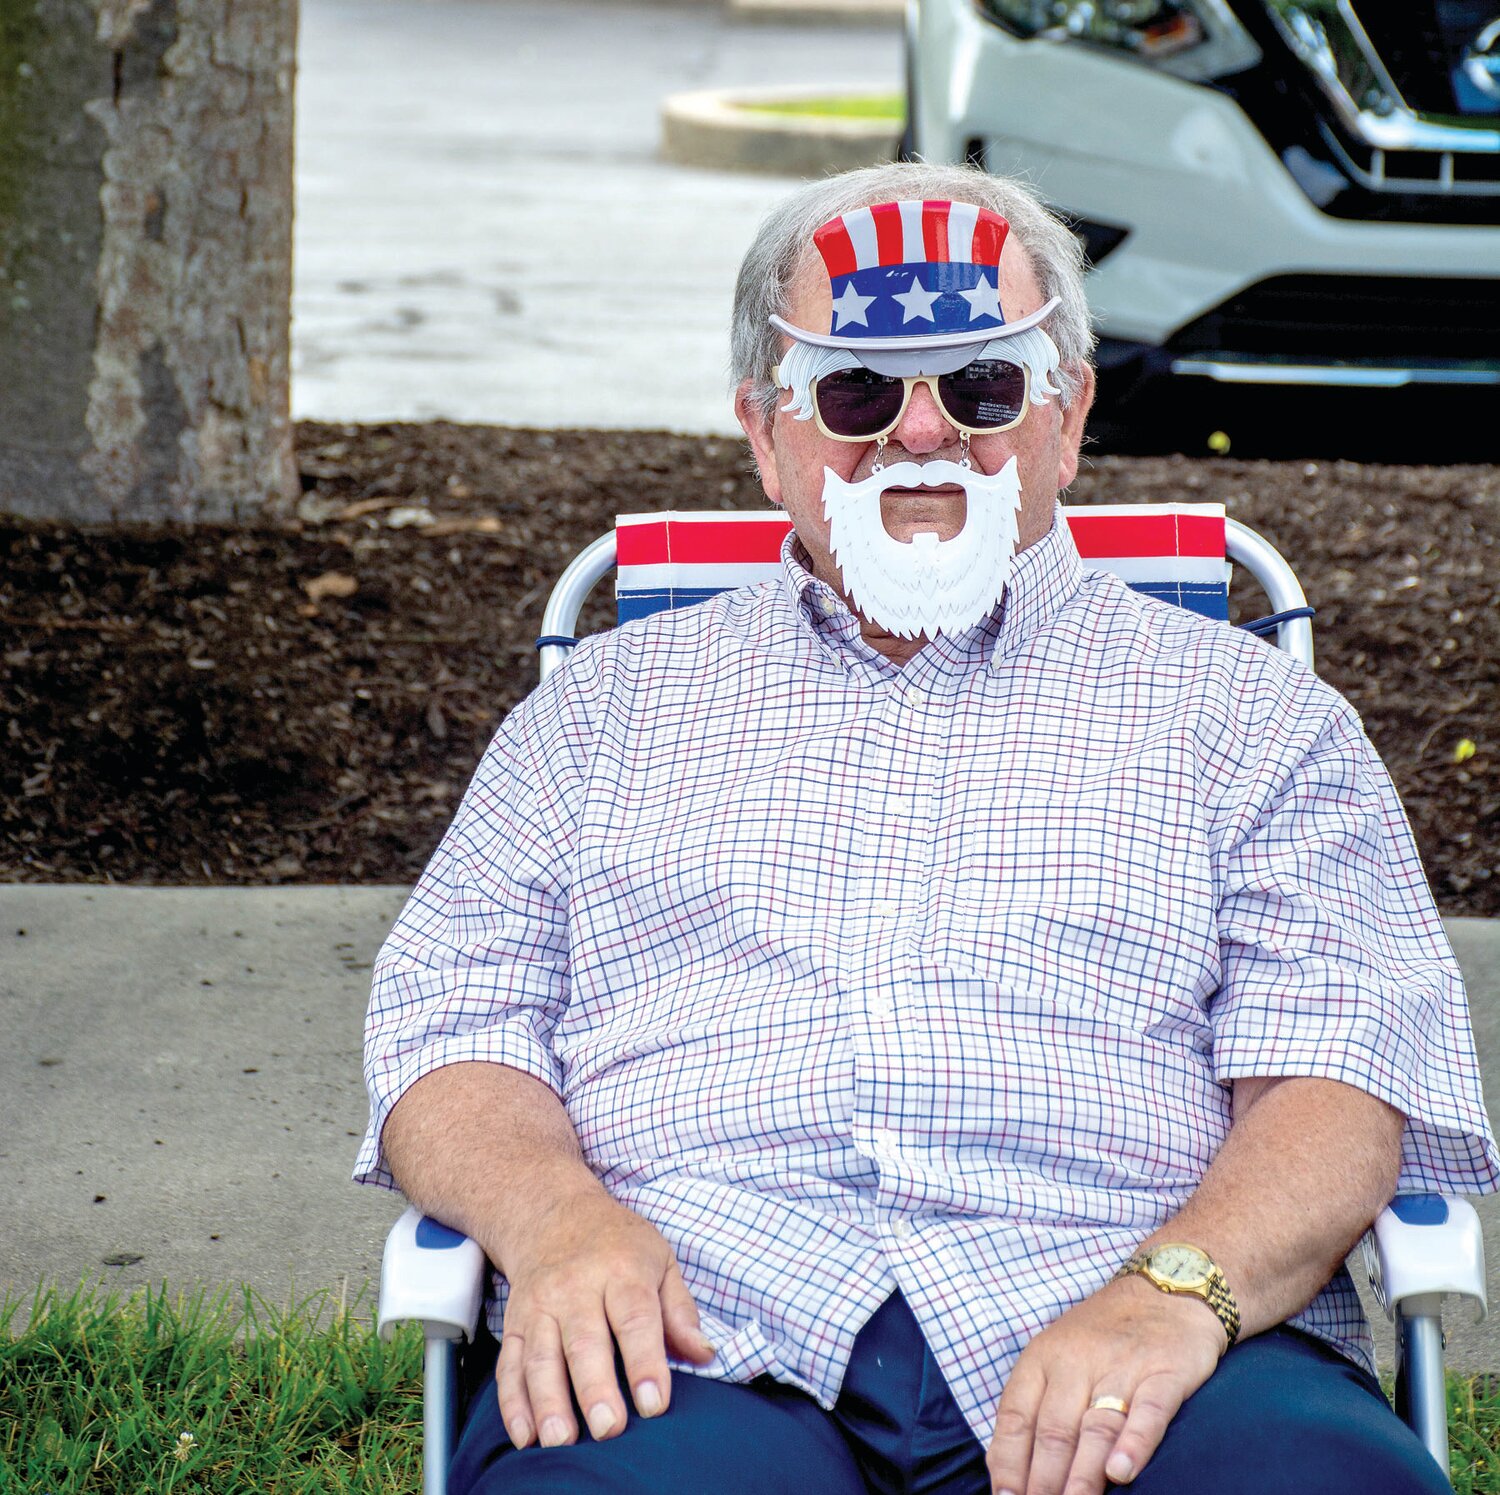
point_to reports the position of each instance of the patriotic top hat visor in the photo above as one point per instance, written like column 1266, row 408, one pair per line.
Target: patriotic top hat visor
column 913, row 276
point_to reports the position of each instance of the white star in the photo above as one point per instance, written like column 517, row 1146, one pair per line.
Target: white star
column 916, row 302
column 984, row 299
column 850, row 307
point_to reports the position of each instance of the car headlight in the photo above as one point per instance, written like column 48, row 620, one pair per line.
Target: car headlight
column 1193, row 39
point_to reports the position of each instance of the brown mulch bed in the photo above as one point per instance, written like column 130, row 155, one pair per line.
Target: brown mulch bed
column 305, row 703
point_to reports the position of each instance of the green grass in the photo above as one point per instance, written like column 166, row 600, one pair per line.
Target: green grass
column 1474, row 1434
column 882, row 106
column 154, row 1394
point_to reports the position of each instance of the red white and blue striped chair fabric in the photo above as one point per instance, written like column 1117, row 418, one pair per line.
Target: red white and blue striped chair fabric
column 1180, row 552
column 667, row 560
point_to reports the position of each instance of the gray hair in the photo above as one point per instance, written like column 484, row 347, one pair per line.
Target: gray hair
column 786, row 236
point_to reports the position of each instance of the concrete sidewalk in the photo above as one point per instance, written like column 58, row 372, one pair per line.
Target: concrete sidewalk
column 181, row 1097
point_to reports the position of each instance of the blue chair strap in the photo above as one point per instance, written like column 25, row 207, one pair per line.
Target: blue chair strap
column 1264, row 627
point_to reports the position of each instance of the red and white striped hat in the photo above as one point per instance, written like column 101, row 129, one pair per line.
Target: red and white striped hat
column 913, row 276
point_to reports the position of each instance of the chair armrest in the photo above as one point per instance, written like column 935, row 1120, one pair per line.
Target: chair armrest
column 432, row 1275
column 1425, row 1246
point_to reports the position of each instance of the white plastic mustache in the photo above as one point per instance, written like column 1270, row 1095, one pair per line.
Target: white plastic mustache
column 929, row 586
column 939, row 473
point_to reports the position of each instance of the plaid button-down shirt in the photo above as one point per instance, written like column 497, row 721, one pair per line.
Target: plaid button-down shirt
column 855, row 978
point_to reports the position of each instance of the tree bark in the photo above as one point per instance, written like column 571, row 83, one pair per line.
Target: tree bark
column 145, row 258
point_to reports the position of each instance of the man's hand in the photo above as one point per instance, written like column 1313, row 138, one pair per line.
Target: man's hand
column 492, row 1152
column 593, row 1275
column 1148, row 1348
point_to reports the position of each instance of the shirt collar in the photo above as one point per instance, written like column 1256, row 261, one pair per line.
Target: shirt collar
column 1044, row 577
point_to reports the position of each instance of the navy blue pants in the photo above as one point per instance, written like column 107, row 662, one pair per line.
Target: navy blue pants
column 1283, row 1412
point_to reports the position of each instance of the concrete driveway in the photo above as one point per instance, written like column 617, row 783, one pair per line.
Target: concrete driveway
column 484, row 232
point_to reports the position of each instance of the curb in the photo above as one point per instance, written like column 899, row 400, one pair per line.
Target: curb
column 821, row 12
column 712, row 128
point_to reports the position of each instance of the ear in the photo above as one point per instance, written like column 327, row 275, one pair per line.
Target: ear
column 1071, row 440
column 758, row 432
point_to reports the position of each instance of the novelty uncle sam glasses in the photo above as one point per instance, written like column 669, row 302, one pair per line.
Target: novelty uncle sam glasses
column 915, row 288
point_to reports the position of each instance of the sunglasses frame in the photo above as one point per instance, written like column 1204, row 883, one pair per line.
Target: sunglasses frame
column 931, row 381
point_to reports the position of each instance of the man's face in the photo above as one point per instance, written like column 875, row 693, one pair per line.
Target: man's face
column 792, row 454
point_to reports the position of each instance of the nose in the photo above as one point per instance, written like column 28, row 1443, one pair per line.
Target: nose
column 923, row 427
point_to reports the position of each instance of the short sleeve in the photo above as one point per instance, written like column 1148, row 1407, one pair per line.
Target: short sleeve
column 1335, row 963
column 476, row 967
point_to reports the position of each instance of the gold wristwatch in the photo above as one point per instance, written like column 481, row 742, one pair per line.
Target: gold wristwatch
column 1176, row 1268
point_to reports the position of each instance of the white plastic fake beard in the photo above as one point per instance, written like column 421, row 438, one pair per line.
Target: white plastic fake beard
column 930, row 586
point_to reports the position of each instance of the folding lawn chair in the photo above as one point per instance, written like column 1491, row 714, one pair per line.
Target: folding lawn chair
column 1422, row 1249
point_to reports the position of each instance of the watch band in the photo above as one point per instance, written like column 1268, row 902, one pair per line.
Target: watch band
column 1214, row 1290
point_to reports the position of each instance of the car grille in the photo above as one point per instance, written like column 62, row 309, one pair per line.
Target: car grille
column 1394, row 92
column 1422, row 44
column 1355, row 317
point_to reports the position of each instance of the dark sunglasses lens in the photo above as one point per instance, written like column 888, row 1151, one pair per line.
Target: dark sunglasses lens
column 985, row 395
column 858, row 402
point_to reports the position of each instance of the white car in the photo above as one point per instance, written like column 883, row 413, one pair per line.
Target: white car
column 1271, row 193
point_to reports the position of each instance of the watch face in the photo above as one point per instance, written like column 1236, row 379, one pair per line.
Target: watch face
column 1183, row 1266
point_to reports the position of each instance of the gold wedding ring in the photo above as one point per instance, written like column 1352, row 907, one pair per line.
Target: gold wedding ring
column 1110, row 1404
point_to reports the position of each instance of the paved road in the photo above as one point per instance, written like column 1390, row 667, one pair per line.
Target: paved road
column 181, row 1087
column 484, row 232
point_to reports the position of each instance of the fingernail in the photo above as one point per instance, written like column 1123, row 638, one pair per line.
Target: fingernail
column 648, row 1399
column 1119, row 1468
column 602, row 1419
column 523, row 1434
column 554, row 1433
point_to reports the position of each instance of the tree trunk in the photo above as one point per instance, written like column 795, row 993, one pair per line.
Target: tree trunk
column 145, row 257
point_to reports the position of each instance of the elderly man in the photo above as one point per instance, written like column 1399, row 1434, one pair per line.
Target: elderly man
column 937, row 1022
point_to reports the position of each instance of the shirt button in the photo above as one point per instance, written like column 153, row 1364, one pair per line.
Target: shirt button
column 885, row 1143
column 901, row 1229
column 881, row 1005
column 885, row 909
